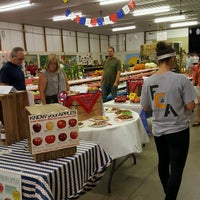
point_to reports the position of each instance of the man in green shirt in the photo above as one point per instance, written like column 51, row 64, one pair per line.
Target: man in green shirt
column 111, row 75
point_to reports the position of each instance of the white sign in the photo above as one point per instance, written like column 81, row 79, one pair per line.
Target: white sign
column 4, row 89
column 10, row 185
column 161, row 36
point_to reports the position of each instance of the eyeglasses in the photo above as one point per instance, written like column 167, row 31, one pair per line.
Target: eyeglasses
column 20, row 58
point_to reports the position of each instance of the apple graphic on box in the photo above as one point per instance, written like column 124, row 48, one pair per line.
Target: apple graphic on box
column 73, row 134
column 37, row 127
column 61, row 123
column 62, row 136
column 50, row 139
column 37, row 141
column 72, row 122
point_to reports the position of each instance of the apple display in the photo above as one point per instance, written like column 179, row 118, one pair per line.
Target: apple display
column 37, row 127
column 50, row 139
column 37, row 141
column 61, row 124
column 72, row 122
column 62, row 136
column 73, row 135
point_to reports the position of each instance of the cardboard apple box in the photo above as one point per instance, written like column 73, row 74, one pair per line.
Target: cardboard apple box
column 52, row 127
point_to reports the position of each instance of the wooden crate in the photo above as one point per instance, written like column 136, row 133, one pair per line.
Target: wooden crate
column 83, row 115
column 12, row 115
column 50, row 155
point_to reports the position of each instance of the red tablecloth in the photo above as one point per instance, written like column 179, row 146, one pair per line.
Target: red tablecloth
column 86, row 101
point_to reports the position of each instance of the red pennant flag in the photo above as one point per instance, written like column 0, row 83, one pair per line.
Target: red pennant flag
column 113, row 17
column 77, row 19
column 94, row 21
column 131, row 4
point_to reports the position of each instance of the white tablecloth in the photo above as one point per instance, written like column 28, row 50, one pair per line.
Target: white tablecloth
column 120, row 138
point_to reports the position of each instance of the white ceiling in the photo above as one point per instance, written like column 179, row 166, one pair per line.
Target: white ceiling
column 42, row 11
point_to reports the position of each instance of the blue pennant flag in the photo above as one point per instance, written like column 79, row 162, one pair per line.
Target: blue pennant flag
column 68, row 12
column 120, row 14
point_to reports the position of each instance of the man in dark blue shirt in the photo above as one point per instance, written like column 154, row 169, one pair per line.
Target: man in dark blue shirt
column 11, row 72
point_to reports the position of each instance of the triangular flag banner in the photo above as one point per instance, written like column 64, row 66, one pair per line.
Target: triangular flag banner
column 113, row 17
column 77, row 19
column 94, row 21
column 72, row 16
column 88, row 21
column 131, row 4
column 126, row 9
column 82, row 20
column 107, row 20
column 120, row 13
column 68, row 12
column 100, row 21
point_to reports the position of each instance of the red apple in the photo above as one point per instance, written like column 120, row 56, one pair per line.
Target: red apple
column 61, row 124
column 37, row 141
column 37, row 127
column 73, row 134
column 50, row 139
column 72, row 122
column 1, row 187
column 62, row 136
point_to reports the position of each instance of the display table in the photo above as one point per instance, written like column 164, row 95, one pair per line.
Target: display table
column 119, row 138
column 61, row 179
column 132, row 106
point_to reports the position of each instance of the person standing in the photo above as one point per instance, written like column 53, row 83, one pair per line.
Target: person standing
column 52, row 80
column 11, row 73
column 188, row 62
column 31, row 68
column 170, row 96
column 110, row 76
column 196, row 83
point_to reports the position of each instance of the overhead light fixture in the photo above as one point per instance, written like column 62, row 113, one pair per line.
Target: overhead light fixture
column 64, row 17
column 181, row 24
column 149, row 11
column 168, row 19
column 111, row 2
column 123, row 28
column 14, row 6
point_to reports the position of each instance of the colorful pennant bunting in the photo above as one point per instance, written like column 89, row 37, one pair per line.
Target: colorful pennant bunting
column 100, row 21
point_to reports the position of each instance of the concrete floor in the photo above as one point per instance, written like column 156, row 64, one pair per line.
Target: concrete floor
column 141, row 182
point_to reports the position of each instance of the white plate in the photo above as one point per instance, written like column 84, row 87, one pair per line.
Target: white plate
column 110, row 110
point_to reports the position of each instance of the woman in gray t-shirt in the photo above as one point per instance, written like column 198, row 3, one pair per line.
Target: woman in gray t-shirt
column 52, row 81
column 170, row 96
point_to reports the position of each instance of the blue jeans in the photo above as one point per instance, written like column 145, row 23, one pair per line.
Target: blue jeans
column 107, row 89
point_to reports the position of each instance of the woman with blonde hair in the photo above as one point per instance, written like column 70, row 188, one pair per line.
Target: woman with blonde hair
column 52, row 80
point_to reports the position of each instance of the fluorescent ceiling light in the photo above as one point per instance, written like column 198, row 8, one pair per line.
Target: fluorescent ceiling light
column 168, row 19
column 181, row 24
column 149, row 11
column 15, row 6
column 64, row 17
column 124, row 28
column 112, row 2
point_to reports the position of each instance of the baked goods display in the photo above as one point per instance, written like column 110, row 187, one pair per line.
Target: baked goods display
column 100, row 118
column 98, row 124
column 125, row 117
column 111, row 109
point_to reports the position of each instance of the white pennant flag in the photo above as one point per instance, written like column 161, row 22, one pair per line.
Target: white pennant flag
column 88, row 21
column 107, row 20
column 126, row 9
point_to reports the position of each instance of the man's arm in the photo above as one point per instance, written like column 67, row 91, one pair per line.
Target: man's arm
column 117, row 79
